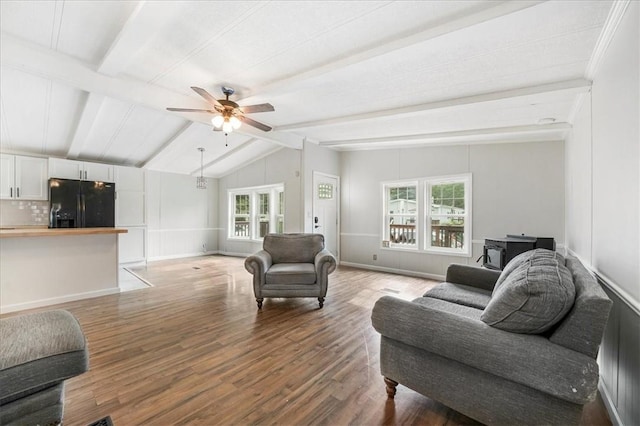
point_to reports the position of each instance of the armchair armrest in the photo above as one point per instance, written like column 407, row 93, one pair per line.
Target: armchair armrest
column 258, row 264
column 472, row 276
column 530, row 360
column 324, row 262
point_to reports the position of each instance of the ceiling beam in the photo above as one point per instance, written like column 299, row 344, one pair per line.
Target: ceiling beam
column 577, row 85
column 468, row 18
column 90, row 112
column 46, row 63
column 226, row 155
column 150, row 162
column 509, row 131
column 148, row 18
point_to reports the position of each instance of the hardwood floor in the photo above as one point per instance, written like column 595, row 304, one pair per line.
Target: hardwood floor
column 194, row 349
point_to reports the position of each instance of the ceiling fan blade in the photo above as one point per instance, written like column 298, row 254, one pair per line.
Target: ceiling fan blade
column 250, row 109
column 255, row 124
column 206, row 95
column 210, row 111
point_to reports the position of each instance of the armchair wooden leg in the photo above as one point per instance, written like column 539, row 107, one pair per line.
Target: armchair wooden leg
column 391, row 387
column 321, row 301
column 259, row 300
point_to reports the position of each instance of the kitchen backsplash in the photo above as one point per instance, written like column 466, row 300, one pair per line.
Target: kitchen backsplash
column 24, row 213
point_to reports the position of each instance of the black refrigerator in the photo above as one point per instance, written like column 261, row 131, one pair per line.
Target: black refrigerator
column 81, row 204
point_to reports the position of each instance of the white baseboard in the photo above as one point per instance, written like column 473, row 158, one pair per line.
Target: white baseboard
column 608, row 402
column 57, row 300
column 394, row 271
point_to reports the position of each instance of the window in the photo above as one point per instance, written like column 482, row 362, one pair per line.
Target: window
column 447, row 218
column 254, row 212
column 401, row 214
column 441, row 224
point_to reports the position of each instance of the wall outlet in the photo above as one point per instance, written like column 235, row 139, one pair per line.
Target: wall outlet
column 375, row 257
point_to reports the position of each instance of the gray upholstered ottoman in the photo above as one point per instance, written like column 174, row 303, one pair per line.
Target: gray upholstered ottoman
column 37, row 353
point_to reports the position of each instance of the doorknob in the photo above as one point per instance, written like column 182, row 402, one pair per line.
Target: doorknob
column 315, row 220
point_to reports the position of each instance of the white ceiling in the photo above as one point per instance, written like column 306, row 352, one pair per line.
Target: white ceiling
column 91, row 80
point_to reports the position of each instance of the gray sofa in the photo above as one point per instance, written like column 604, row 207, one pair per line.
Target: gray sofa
column 38, row 352
column 517, row 347
column 291, row 265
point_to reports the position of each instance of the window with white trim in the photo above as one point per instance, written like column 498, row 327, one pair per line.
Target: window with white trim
column 400, row 214
column 447, row 215
column 428, row 214
column 255, row 212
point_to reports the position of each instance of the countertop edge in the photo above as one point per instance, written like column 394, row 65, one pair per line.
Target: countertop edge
column 57, row 232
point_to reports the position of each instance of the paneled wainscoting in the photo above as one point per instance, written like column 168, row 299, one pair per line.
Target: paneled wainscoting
column 194, row 349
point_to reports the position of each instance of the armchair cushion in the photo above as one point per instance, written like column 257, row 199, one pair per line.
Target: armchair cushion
column 533, row 297
column 291, row 273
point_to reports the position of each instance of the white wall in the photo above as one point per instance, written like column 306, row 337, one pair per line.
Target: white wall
column 283, row 166
column 316, row 159
column 602, row 207
column 182, row 220
column 517, row 188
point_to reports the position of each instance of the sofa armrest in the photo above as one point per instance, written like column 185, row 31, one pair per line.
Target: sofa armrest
column 530, row 360
column 325, row 263
column 472, row 276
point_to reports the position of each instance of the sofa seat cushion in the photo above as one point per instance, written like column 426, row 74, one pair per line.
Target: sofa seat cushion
column 533, row 297
column 450, row 307
column 291, row 273
column 39, row 350
column 461, row 294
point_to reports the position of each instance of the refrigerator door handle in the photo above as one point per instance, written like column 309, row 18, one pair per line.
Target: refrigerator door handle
column 78, row 223
column 84, row 210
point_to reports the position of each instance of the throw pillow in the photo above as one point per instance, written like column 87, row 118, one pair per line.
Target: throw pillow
column 522, row 258
column 533, row 297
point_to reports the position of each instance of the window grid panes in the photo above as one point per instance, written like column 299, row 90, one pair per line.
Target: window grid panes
column 325, row 191
column 401, row 214
column 255, row 212
column 447, row 214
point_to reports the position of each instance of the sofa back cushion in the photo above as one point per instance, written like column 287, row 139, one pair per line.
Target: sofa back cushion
column 293, row 248
column 533, row 296
column 583, row 327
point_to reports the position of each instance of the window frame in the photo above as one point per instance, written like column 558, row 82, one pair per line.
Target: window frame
column 386, row 218
column 423, row 229
column 466, row 180
column 254, row 193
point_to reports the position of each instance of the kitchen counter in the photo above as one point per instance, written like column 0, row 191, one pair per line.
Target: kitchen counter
column 8, row 232
column 59, row 265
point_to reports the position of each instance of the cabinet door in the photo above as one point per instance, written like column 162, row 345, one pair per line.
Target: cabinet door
column 129, row 178
column 131, row 246
column 99, row 172
column 7, row 173
column 31, row 178
column 65, row 169
column 129, row 208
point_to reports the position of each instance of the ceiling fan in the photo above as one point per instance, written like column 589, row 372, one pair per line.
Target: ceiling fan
column 228, row 114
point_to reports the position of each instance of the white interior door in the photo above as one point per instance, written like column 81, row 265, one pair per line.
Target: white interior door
column 325, row 209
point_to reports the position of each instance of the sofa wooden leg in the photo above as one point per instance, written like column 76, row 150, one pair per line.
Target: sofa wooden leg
column 391, row 387
column 259, row 300
column 321, row 301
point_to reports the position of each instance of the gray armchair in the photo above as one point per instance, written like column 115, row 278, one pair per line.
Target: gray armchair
column 38, row 352
column 291, row 265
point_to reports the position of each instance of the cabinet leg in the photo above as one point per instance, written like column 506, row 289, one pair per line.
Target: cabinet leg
column 391, row 387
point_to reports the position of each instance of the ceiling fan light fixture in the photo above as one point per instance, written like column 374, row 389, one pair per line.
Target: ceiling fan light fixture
column 217, row 121
column 235, row 122
column 227, row 127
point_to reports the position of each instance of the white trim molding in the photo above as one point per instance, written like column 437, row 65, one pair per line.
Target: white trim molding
column 616, row 13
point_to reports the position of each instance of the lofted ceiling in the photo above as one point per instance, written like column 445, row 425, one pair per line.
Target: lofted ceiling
column 91, row 80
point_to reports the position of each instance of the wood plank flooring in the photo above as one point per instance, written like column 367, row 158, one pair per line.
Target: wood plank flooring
column 194, row 349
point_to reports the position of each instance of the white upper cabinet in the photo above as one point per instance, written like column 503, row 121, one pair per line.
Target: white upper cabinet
column 23, row 178
column 129, row 178
column 82, row 170
column 130, row 197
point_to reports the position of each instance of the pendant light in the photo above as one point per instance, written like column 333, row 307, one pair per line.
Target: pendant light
column 201, row 182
